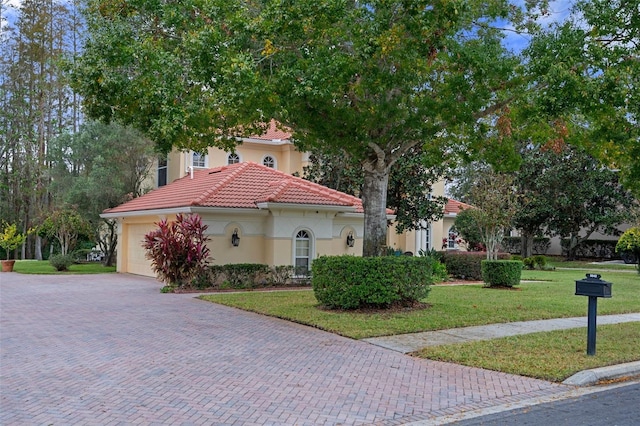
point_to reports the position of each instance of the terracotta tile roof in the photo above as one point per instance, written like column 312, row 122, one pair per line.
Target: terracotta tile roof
column 274, row 132
column 241, row 185
column 454, row 207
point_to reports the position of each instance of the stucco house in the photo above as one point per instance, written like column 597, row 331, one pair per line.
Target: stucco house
column 273, row 149
column 278, row 219
column 254, row 213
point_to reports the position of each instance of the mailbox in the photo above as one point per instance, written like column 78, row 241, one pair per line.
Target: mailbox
column 592, row 285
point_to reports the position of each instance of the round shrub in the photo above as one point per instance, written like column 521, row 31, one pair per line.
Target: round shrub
column 466, row 265
column 629, row 242
column 349, row 282
column 61, row 261
column 501, row 273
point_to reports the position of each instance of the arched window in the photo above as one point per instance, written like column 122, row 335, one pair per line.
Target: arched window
column 233, row 158
column 452, row 240
column 198, row 160
column 269, row 161
column 302, row 253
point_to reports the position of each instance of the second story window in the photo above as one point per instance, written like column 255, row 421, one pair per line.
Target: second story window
column 233, row 158
column 269, row 161
column 162, row 171
column 198, row 160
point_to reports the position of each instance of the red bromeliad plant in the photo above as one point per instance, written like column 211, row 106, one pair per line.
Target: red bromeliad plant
column 177, row 250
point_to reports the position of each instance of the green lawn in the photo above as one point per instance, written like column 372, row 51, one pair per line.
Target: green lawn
column 560, row 262
column 550, row 355
column 44, row 267
column 554, row 355
column 552, row 296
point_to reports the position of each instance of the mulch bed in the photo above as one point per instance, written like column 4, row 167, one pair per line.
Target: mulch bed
column 394, row 308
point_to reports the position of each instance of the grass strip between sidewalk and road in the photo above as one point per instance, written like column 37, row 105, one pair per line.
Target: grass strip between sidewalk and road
column 552, row 295
column 43, row 267
column 553, row 355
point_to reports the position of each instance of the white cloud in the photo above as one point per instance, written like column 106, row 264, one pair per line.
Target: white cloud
column 557, row 13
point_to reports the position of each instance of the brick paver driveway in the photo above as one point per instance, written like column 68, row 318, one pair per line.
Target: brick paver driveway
column 111, row 349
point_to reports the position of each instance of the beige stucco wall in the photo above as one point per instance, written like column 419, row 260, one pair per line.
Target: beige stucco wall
column 266, row 236
column 131, row 232
column 288, row 159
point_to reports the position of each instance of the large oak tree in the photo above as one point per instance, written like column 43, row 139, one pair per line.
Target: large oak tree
column 377, row 79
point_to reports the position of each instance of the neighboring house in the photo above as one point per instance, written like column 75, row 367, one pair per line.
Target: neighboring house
column 440, row 235
column 556, row 249
column 255, row 214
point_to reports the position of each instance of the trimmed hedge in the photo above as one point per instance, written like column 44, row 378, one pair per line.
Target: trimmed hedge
column 534, row 262
column 593, row 249
column 465, row 265
column 513, row 245
column 242, row 275
column 247, row 276
column 349, row 282
column 503, row 273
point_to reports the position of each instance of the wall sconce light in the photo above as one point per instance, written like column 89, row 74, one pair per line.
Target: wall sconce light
column 235, row 239
column 350, row 240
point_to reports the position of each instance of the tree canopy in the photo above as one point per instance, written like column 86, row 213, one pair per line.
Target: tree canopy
column 36, row 104
column 96, row 168
column 582, row 197
column 376, row 79
column 411, row 182
column 495, row 205
column 587, row 71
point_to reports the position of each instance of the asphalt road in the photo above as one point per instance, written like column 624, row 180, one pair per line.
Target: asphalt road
column 614, row 407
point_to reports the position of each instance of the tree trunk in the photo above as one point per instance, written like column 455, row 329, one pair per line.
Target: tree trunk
column 108, row 242
column 526, row 249
column 491, row 247
column 38, row 254
column 574, row 242
column 374, row 199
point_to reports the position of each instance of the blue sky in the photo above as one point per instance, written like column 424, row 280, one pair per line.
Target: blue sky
column 558, row 11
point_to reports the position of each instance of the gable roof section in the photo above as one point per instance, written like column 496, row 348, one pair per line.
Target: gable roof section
column 453, row 207
column 274, row 132
column 241, row 185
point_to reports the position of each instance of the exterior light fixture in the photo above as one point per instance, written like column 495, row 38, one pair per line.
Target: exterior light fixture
column 350, row 240
column 235, row 239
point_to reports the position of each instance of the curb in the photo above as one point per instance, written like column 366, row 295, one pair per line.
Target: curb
column 594, row 375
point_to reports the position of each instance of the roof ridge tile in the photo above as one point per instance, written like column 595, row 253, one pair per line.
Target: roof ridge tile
column 280, row 186
column 322, row 190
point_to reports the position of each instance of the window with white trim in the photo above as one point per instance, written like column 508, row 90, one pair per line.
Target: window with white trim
column 269, row 161
column 302, row 253
column 452, row 240
column 198, row 160
column 427, row 237
column 233, row 158
column 162, row 171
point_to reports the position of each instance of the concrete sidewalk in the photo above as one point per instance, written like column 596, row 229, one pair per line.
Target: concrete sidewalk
column 406, row 343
